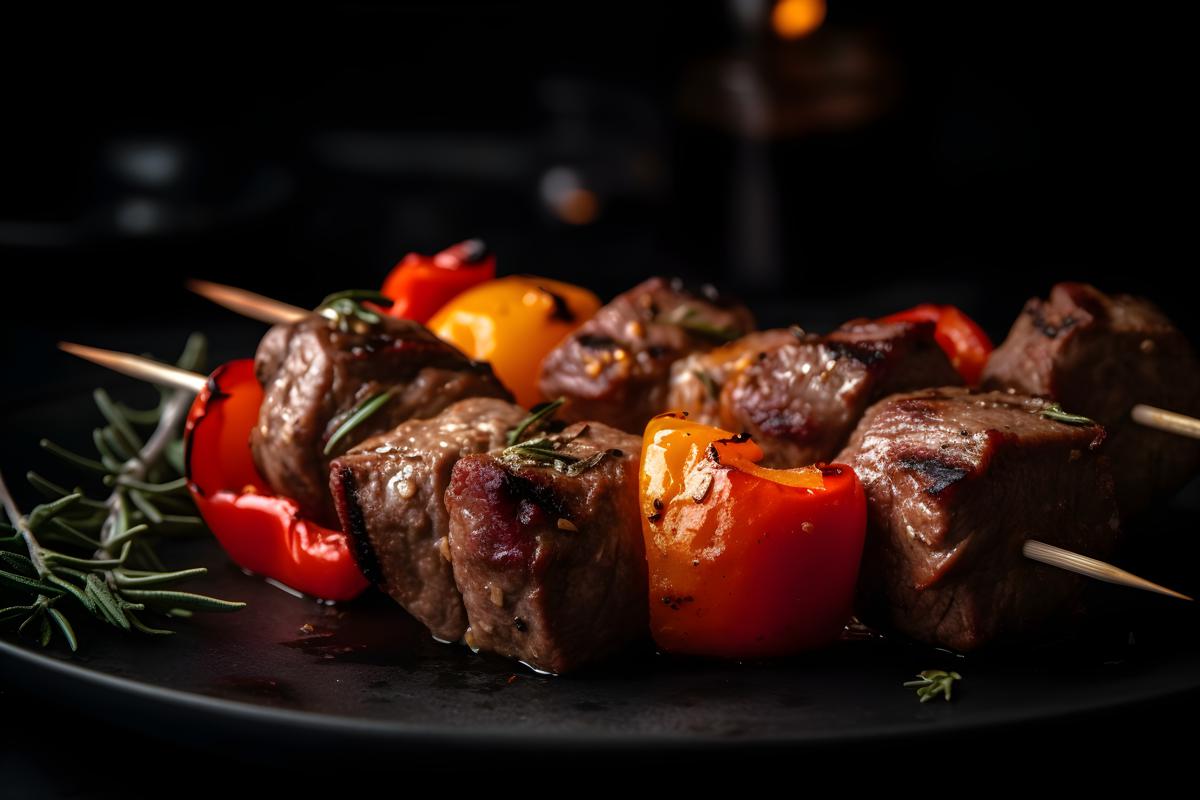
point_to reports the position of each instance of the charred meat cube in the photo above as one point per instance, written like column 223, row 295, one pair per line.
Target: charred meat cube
column 801, row 398
column 616, row 368
column 390, row 496
column 546, row 542
column 698, row 381
column 317, row 374
column 955, row 484
column 1098, row 356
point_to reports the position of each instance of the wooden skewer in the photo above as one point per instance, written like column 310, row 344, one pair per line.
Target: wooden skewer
column 247, row 303
column 1169, row 421
column 135, row 366
column 1091, row 568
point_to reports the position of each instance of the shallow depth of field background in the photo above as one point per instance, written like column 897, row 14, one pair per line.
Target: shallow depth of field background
column 974, row 153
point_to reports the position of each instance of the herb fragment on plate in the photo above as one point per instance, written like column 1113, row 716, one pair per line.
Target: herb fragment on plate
column 345, row 309
column 358, row 417
column 1055, row 412
column 538, row 417
column 710, row 385
column 75, row 553
column 932, row 682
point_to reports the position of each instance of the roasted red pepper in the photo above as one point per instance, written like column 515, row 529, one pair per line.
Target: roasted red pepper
column 964, row 342
column 260, row 531
column 745, row 561
column 420, row 285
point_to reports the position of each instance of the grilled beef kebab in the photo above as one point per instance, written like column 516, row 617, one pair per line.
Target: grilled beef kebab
column 800, row 395
column 955, row 483
column 616, row 367
column 1098, row 356
column 318, row 372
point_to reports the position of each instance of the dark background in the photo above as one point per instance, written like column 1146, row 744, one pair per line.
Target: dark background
column 970, row 152
column 954, row 152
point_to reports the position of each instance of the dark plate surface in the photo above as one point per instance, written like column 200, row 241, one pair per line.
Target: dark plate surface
column 365, row 674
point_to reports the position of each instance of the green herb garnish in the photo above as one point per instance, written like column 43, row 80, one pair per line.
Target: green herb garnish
column 360, row 414
column 1055, row 412
column 710, row 385
column 539, row 415
column 932, row 682
column 344, row 308
column 694, row 322
column 546, row 451
column 77, row 553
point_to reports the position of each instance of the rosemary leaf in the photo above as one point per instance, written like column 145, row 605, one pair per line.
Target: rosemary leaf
column 144, row 628
column 710, row 385
column 187, row 600
column 360, row 415
column 73, row 590
column 105, row 601
column 127, row 581
column 20, row 564
column 127, row 436
column 13, row 613
column 65, row 628
column 45, row 512
column 1055, row 412
column 23, row 584
column 538, row 416
column 932, row 682
column 89, row 464
column 145, row 506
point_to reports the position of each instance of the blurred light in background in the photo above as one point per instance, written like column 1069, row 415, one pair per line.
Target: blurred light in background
column 795, row 19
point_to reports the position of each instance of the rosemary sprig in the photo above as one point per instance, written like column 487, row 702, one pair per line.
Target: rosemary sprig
column 693, row 322
column 1055, row 412
column 345, row 310
column 538, row 417
column 357, row 417
column 932, row 682
column 546, row 451
column 76, row 553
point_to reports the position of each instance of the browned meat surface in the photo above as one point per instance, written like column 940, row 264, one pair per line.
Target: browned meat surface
column 551, row 566
column 801, row 395
column 1099, row 355
column 389, row 493
column 955, row 483
column 616, row 368
column 315, row 376
column 698, row 381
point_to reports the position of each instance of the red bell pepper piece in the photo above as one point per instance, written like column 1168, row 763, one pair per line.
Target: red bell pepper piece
column 420, row 285
column 745, row 561
column 964, row 342
column 260, row 531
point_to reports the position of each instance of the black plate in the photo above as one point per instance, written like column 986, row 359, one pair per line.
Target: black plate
column 365, row 674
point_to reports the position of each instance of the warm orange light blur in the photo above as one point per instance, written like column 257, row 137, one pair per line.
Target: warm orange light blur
column 795, row 19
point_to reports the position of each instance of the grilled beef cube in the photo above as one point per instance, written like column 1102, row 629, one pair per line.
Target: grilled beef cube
column 390, row 496
column 801, row 398
column 616, row 368
column 551, row 564
column 315, row 376
column 698, row 381
column 1098, row 356
column 955, row 484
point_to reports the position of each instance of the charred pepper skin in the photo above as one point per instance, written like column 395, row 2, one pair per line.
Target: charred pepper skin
column 745, row 561
column 260, row 531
